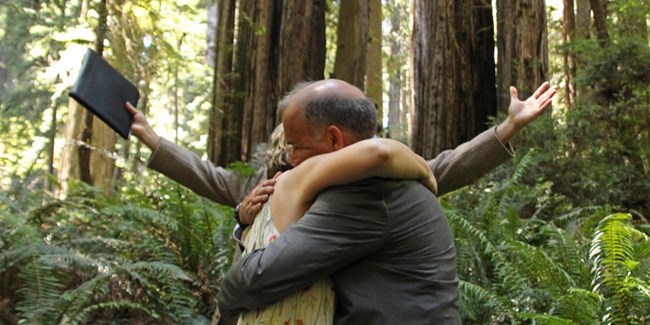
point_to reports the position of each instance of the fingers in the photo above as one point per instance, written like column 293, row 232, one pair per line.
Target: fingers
column 541, row 89
column 248, row 212
column 546, row 98
column 253, row 202
column 260, row 194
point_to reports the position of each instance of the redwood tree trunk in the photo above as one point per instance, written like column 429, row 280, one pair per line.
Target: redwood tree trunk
column 88, row 119
column 599, row 9
column 583, row 19
column 568, row 33
column 302, row 43
column 352, row 39
column 222, row 85
column 260, row 71
column 374, row 80
column 397, row 123
column 452, row 73
column 522, row 48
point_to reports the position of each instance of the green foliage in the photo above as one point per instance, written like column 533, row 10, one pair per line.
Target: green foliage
column 617, row 275
column 524, row 256
column 133, row 257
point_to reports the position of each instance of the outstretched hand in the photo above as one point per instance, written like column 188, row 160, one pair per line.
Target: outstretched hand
column 141, row 128
column 520, row 113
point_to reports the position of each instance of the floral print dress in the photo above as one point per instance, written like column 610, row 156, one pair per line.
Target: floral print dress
column 312, row 305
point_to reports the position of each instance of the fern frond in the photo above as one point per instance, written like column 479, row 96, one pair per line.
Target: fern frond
column 146, row 216
column 534, row 262
column 576, row 214
column 480, row 304
column 569, row 252
column 40, row 288
column 580, row 305
column 120, row 305
column 545, row 319
column 155, row 268
column 612, row 254
column 522, row 167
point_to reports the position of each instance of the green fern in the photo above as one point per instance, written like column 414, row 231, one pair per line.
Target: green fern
column 545, row 319
column 612, row 255
column 582, row 306
column 479, row 305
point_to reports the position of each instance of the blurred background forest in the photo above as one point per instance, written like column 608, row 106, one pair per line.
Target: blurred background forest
column 559, row 235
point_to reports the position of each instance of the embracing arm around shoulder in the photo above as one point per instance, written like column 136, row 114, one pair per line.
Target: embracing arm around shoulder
column 386, row 158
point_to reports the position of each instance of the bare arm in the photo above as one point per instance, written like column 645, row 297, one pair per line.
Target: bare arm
column 386, row 158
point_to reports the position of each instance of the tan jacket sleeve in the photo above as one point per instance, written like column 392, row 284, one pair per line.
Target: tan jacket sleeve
column 470, row 161
column 201, row 176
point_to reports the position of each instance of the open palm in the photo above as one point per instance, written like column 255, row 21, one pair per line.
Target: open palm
column 523, row 112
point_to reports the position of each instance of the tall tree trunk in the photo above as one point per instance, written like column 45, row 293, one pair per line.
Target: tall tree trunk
column 583, row 19
column 222, row 106
column 279, row 43
column 374, row 67
column 250, row 20
column 96, row 141
column 482, row 68
column 599, row 9
column 352, row 39
column 257, row 79
column 86, row 136
column 397, row 124
column 568, row 34
column 302, row 43
column 451, row 71
column 522, row 48
column 68, row 165
column 103, row 139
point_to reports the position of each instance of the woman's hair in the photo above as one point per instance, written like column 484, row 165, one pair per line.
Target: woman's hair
column 276, row 156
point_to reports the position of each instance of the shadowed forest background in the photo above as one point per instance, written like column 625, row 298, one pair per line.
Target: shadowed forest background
column 558, row 235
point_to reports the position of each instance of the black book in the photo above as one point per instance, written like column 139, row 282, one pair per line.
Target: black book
column 104, row 91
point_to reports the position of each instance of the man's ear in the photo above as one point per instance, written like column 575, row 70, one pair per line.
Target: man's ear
column 334, row 136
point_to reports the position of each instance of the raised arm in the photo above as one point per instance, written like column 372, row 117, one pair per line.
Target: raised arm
column 386, row 158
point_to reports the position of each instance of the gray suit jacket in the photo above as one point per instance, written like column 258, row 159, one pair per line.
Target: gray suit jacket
column 453, row 169
column 385, row 243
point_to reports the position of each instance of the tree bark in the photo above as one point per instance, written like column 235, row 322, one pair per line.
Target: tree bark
column 86, row 136
column 583, row 19
column 222, row 83
column 522, row 48
column 257, row 79
column 599, row 9
column 452, row 73
column 68, row 166
column 374, row 67
column 568, row 34
column 352, row 39
column 103, row 139
column 302, row 43
column 397, row 125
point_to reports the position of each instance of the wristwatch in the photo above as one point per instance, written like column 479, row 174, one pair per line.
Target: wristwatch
column 236, row 215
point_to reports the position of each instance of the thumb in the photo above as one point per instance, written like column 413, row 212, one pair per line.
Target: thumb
column 513, row 93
